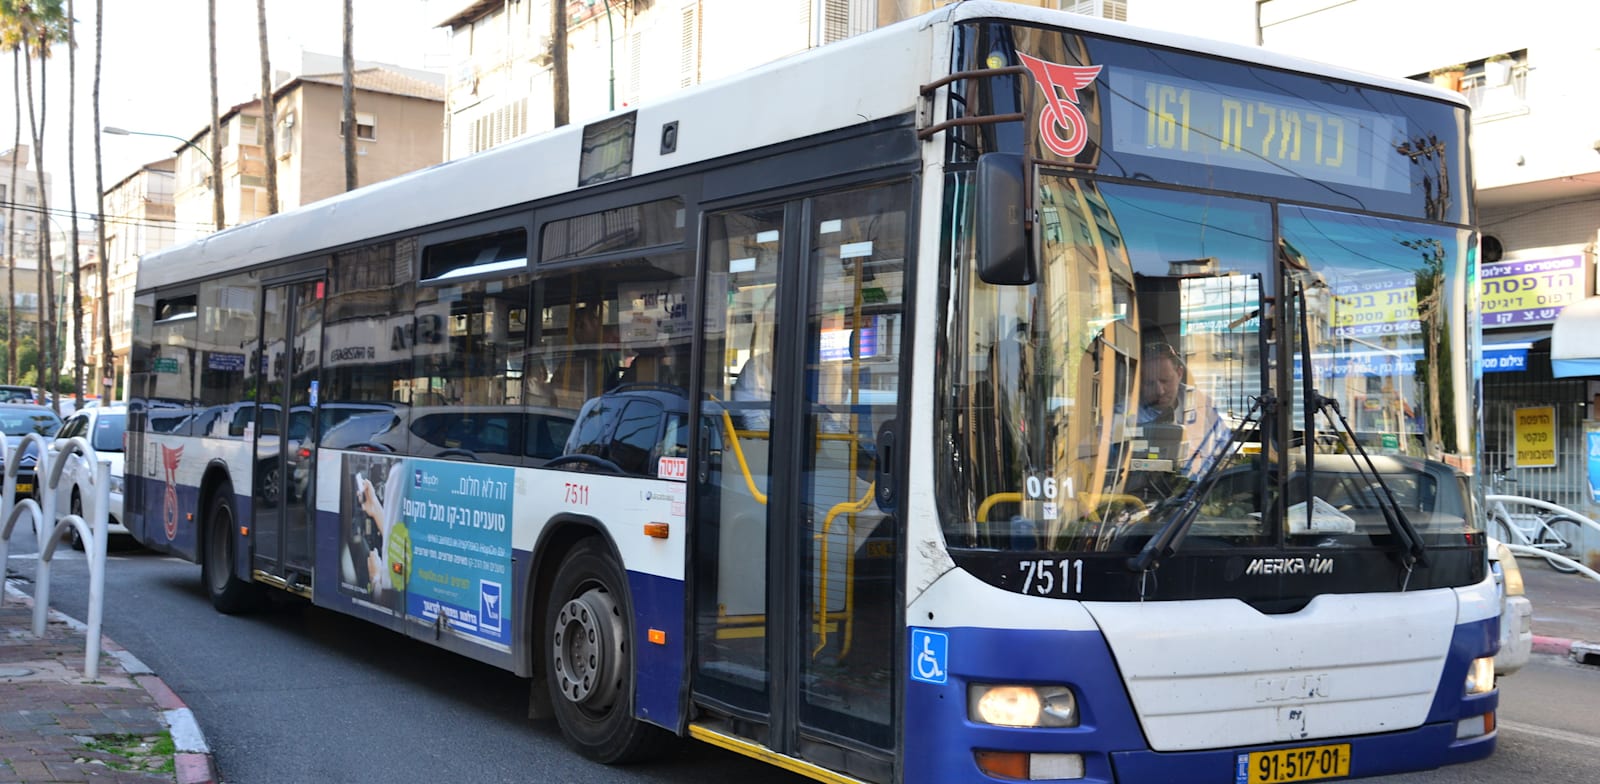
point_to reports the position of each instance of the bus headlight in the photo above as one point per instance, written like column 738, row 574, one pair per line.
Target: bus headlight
column 1022, row 706
column 1480, row 676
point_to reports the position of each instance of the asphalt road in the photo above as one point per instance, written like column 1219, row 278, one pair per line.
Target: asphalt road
column 302, row 694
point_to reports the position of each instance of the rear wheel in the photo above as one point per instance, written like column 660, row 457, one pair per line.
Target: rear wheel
column 77, row 508
column 590, row 672
column 1562, row 539
column 228, row 593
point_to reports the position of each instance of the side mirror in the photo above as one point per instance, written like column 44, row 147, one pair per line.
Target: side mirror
column 1005, row 248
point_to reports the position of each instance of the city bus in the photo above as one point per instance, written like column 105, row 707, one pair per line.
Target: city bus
column 1001, row 394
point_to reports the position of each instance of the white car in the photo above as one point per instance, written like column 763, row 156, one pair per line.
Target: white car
column 1516, row 612
column 103, row 427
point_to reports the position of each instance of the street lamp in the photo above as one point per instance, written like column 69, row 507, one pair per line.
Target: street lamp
column 611, row 50
column 124, row 132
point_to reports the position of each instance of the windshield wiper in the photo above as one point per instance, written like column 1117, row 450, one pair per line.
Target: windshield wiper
column 1412, row 550
column 1166, row 540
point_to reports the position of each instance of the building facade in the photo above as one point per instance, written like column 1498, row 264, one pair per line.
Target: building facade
column 22, row 219
column 398, row 129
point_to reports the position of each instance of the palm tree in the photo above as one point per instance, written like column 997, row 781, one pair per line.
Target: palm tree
column 43, row 25
column 72, row 201
column 11, row 209
column 216, row 125
column 348, row 124
column 269, row 111
column 107, row 361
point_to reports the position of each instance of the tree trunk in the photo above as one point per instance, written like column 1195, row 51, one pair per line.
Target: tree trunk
column 348, row 124
column 216, row 125
column 72, row 201
column 558, row 61
column 108, row 360
column 47, row 373
column 269, row 111
column 12, row 374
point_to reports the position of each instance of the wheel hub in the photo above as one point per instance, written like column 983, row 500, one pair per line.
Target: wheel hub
column 588, row 649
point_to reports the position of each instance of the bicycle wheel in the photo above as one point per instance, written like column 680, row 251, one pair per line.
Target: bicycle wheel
column 1499, row 528
column 1560, row 535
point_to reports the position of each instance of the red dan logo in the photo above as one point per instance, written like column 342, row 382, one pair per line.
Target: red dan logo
column 169, row 505
column 1061, row 124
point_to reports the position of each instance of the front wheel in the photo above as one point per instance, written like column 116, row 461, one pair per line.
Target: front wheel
column 229, row 594
column 589, row 640
column 1561, row 537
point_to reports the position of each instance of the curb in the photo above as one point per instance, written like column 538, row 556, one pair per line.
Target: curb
column 1577, row 650
column 192, row 761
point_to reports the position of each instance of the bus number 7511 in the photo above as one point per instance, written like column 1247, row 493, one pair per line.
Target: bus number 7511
column 1040, row 577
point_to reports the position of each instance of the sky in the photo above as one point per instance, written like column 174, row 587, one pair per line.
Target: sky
column 154, row 74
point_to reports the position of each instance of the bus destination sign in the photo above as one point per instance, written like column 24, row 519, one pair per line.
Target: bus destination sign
column 1219, row 125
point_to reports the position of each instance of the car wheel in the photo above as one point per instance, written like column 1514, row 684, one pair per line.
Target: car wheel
column 77, row 508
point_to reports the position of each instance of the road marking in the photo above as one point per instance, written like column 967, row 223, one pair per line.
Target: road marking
column 1547, row 732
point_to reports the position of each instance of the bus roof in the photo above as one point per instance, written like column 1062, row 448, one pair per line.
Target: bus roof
column 797, row 96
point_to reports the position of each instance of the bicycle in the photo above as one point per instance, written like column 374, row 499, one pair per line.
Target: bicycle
column 1541, row 529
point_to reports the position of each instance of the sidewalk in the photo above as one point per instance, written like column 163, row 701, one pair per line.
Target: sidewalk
column 1566, row 610
column 55, row 726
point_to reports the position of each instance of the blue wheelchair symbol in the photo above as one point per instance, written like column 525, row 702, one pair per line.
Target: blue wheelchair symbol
column 930, row 653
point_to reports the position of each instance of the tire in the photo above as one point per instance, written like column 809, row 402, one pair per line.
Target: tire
column 229, row 595
column 1569, row 532
column 1499, row 530
column 77, row 508
column 588, row 638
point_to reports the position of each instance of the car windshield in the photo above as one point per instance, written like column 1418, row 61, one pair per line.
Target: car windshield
column 20, row 422
column 108, row 432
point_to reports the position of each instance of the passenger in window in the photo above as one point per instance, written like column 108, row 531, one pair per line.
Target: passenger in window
column 753, row 392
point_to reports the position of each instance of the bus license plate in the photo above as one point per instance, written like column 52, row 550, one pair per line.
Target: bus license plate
column 1308, row 763
column 24, row 487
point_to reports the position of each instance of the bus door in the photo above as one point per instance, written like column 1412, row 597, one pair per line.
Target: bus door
column 286, row 433
column 796, row 614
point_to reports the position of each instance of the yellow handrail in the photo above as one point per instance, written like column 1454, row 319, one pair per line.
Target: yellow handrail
column 997, row 498
column 738, row 453
column 851, row 507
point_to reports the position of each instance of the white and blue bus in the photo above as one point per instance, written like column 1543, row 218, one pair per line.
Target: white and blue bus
column 1002, row 394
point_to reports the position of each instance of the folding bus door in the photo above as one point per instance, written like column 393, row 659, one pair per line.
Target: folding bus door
column 796, row 599
column 285, row 424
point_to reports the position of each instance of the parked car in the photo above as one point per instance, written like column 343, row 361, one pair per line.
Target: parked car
column 18, row 420
column 11, row 393
column 1516, row 612
column 104, row 429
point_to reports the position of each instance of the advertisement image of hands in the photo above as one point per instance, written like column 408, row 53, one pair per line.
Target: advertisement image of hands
column 430, row 540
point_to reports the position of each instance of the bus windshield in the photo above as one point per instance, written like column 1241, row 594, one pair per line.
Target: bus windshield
column 1140, row 374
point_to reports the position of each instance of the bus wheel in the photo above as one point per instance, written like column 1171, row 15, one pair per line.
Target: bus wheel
column 228, row 594
column 590, row 672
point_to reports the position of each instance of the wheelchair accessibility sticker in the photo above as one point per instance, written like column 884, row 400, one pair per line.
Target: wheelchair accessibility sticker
column 930, row 653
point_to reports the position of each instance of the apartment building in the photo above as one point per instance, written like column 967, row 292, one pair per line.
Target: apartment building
column 398, row 129
column 22, row 206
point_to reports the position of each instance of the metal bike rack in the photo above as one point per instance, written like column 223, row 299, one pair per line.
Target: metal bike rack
column 52, row 529
column 1536, row 552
